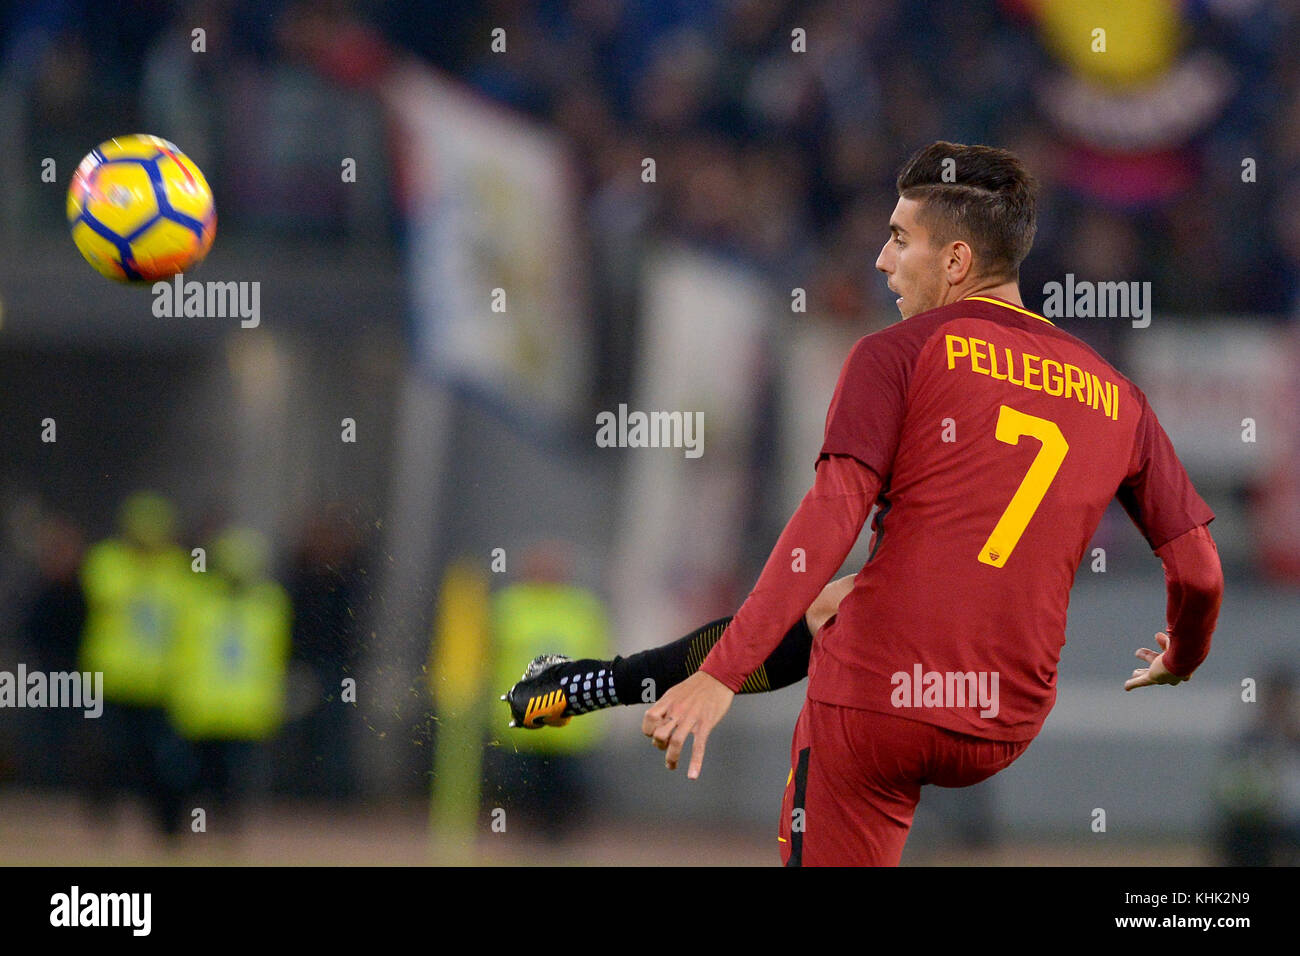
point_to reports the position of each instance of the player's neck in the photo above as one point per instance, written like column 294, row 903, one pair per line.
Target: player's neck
column 1006, row 291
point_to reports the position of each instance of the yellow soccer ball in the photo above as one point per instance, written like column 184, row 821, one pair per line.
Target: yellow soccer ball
column 140, row 210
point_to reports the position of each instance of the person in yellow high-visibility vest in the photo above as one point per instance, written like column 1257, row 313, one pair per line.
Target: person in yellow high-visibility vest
column 228, row 674
column 136, row 586
column 543, row 775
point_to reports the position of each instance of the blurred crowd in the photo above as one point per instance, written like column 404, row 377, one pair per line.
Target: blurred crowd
column 776, row 126
column 787, row 160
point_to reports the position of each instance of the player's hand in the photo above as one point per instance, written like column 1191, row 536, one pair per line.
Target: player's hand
column 692, row 707
column 1155, row 671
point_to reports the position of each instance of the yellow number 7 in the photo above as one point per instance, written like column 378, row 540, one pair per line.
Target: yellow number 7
column 1011, row 425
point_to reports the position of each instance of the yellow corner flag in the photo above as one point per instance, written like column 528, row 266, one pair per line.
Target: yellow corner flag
column 457, row 658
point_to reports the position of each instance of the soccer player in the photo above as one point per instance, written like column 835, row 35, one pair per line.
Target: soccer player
column 993, row 442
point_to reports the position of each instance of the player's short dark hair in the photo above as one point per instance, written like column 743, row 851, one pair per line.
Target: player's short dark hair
column 985, row 197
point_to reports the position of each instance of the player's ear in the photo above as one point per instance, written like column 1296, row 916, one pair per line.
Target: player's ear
column 958, row 262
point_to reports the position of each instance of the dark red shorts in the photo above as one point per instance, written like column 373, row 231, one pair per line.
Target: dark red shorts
column 856, row 777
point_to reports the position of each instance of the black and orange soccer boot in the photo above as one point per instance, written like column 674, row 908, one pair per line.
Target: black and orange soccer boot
column 555, row 689
column 538, row 699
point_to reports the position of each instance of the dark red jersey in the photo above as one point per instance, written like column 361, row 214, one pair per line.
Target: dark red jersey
column 1000, row 440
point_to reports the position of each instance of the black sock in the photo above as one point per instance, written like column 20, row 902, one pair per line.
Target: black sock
column 672, row 663
column 647, row 674
column 588, row 685
column 788, row 663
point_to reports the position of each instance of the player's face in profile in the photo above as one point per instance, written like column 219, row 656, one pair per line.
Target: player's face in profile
column 913, row 266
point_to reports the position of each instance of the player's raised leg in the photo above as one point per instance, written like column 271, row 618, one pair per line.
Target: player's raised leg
column 555, row 689
column 856, row 777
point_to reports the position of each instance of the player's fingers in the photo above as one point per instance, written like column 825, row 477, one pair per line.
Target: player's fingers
column 1163, row 640
column 1146, row 654
column 676, row 743
column 662, row 732
column 1139, row 679
column 654, row 717
column 697, row 752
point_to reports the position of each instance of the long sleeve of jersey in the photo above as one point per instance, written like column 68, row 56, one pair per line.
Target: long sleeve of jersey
column 1194, row 584
column 813, row 546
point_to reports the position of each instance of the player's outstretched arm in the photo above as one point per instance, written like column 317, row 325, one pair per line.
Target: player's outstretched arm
column 642, row 677
column 1194, row 587
column 832, row 515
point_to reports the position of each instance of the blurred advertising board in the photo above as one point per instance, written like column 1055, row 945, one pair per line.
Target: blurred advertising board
column 496, row 270
column 1209, row 381
column 1228, row 393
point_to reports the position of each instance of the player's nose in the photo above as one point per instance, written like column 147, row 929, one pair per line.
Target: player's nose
column 880, row 259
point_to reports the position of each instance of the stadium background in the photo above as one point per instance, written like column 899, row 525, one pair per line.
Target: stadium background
column 524, row 170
